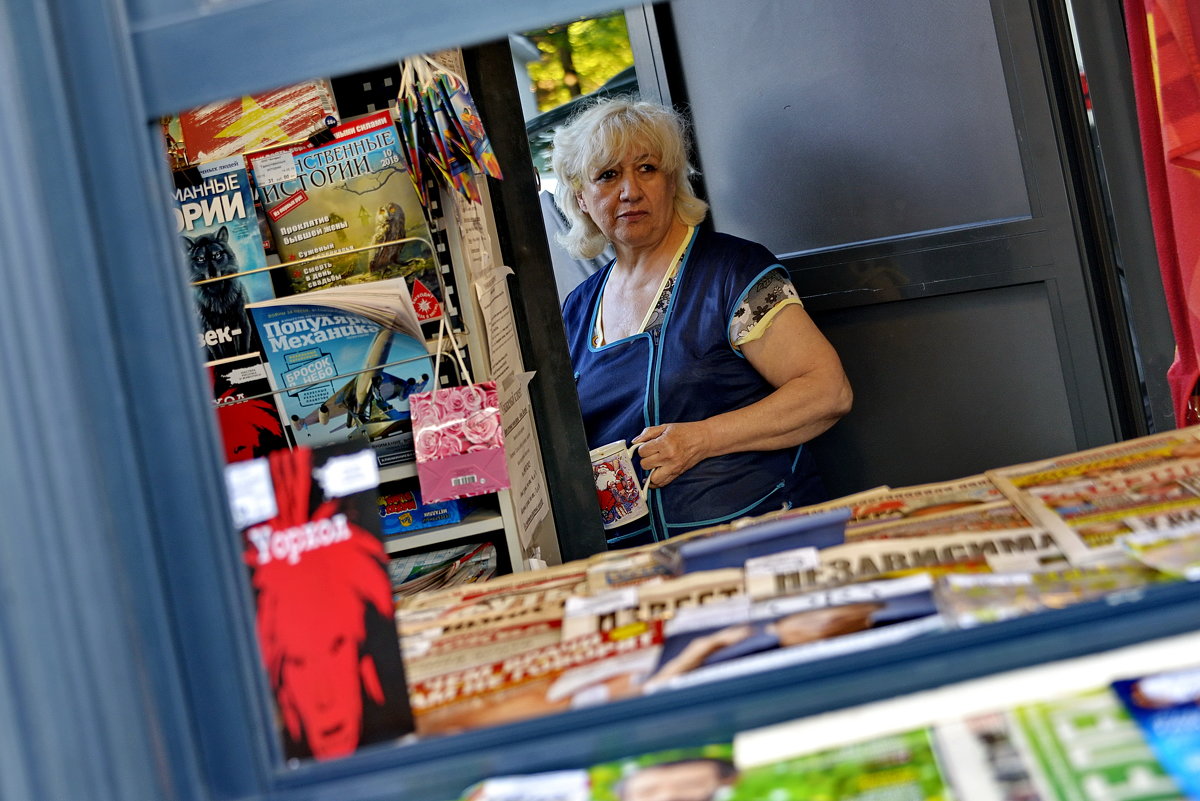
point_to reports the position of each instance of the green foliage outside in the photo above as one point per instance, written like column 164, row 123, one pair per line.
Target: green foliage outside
column 578, row 57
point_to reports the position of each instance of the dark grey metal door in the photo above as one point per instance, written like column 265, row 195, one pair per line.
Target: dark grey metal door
column 903, row 160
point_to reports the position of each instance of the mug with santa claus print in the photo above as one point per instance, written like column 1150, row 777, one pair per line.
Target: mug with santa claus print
column 622, row 496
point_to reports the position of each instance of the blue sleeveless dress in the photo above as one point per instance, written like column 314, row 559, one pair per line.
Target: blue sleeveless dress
column 682, row 371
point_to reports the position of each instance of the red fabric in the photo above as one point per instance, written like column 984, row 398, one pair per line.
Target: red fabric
column 1166, row 76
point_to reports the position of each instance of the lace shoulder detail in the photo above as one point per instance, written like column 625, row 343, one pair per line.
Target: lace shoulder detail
column 769, row 293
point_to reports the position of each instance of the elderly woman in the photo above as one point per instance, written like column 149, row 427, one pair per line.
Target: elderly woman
column 693, row 344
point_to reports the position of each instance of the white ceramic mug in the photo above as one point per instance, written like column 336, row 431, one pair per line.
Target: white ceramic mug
column 622, row 497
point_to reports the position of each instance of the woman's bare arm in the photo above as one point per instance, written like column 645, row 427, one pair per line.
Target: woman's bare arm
column 811, row 394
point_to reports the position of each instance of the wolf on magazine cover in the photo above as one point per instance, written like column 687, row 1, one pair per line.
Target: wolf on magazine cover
column 223, row 250
column 342, row 377
column 346, row 212
column 322, row 597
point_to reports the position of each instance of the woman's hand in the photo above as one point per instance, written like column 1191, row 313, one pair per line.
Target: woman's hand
column 811, row 393
column 669, row 450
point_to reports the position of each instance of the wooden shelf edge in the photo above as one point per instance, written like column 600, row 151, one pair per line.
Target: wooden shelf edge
column 397, row 472
column 480, row 521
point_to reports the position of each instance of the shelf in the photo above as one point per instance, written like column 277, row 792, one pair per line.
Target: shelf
column 396, row 472
column 1029, row 685
column 480, row 521
column 1079, row 637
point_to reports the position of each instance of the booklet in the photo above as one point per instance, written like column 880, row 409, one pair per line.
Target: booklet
column 1167, row 708
column 901, row 766
column 738, row 637
column 969, row 600
column 1086, row 746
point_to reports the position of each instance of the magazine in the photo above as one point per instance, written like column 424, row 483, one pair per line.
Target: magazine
column 223, row 251
column 317, row 565
column 697, row 773
column 347, row 212
column 233, row 127
column 344, row 362
column 1086, row 746
column 563, row 785
column 580, row 671
column 901, row 766
column 985, row 759
column 738, row 637
column 246, row 412
column 1166, row 706
column 468, row 564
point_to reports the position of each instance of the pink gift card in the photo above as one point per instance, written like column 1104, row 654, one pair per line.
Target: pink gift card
column 459, row 441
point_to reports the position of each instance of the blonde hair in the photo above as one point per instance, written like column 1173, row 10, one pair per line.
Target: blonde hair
column 600, row 135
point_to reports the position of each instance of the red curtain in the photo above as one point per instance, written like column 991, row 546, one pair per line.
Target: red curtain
column 1166, row 76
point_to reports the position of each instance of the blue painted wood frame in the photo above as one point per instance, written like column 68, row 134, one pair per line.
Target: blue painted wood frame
column 127, row 662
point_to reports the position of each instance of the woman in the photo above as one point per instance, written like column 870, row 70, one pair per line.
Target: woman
column 691, row 343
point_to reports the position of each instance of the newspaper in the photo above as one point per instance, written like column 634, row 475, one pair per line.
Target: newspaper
column 651, row 600
column 1042, row 489
column 580, row 671
column 427, row 655
column 991, row 516
column 923, row 499
column 872, row 559
column 476, row 563
column 507, row 601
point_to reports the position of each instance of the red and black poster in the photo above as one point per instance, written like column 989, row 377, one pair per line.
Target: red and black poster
column 323, row 599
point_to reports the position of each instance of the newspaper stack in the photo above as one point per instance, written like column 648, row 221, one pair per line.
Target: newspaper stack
column 914, row 561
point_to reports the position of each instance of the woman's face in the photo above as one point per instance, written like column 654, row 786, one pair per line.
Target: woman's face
column 631, row 201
